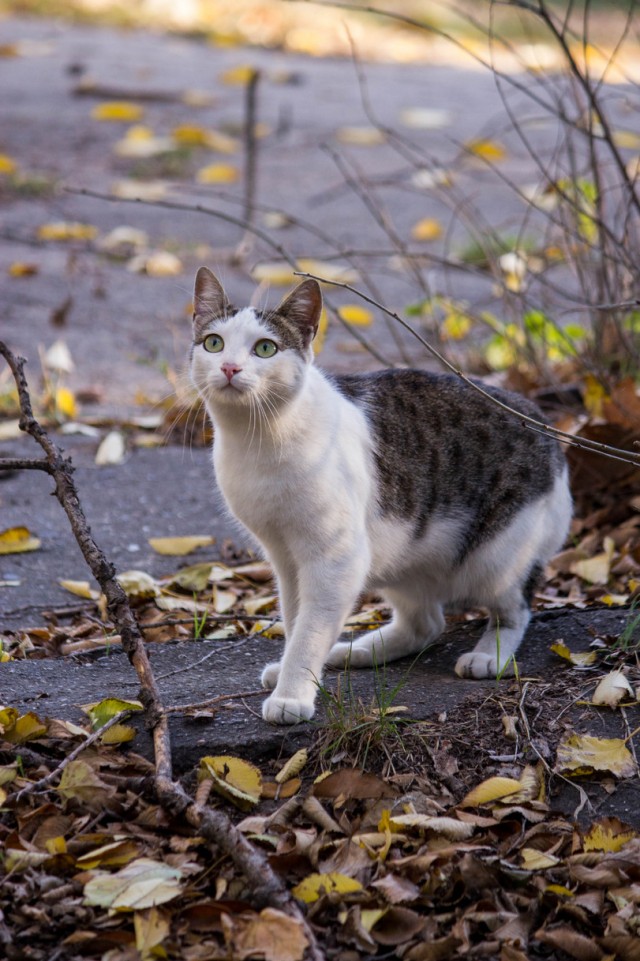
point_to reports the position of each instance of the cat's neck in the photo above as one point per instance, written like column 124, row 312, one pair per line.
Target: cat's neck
column 255, row 423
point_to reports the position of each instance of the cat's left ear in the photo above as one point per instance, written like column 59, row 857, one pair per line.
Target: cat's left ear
column 303, row 306
column 209, row 298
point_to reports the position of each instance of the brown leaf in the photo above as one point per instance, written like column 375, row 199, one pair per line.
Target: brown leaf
column 396, row 926
column 352, row 783
column 625, row 947
column 397, row 889
column 566, row 939
column 271, row 935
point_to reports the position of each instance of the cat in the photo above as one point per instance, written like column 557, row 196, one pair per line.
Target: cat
column 408, row 483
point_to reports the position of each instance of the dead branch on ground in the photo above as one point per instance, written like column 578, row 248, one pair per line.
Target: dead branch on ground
column 266, row 887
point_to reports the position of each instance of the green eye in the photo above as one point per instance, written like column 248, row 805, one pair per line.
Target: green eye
column 213, row 343
column 265, row 348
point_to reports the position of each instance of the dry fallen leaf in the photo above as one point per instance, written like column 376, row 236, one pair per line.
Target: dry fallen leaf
column 111, row 450
column 356, row 315
column 7, row 164
column 18, row 540
column 607, row 834
column 271, row 935
column 63, row 230
column 236, row 780
column 583, row 754
column 315, row 885
column 487, row 149
column 426, row 229
column 360, row 136
column 493, row 789
column 143, row 883
column 612, row 689
column 580, row 659
column 179, row 546
column 117, row 110
column 218, row 174
column 156, row 263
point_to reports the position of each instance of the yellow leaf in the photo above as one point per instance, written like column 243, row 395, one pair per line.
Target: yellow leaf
column 594, row 396
column 138, row 584
column 626, row 139
column 583, row 754
column 80, row 589
column 534, row 860
column 179, row 546
column 259, row 605
column 293, row 766
column 118, row 110
column 607, row 834
column 493, row 789
column 356, row 315
column 426, row 229
column 158, row 263
column 236, row 780
column 115, row 854
column 193, row 578
column 327, row 270
column 360, row 136
column 487, row 149
column 315, row 885
column 321, row 334
column 217, row 174
column 612, row 689
column 455, row 326
column 596, row 569
column 18, row 540
column 79, row 780
column 56, row 845
column 28, row 727
column 21, row 269
column 7, row 165
column 63, row 230
column 237, row 76
column 278, row 273
column 143, row 883
column 583, row 659
column 102, row 711
column 65, row 402
column 194, row 136
column 151, row 927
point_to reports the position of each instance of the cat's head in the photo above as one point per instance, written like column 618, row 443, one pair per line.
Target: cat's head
column 244, row 356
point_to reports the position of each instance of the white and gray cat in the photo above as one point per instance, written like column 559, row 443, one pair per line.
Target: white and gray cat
column 401, row 481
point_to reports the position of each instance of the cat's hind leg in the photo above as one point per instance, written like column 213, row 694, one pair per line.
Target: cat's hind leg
column 494, row 654
column 417, row 622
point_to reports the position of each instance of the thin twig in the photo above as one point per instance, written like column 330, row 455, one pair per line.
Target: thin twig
column 45, row 783
column 212, row 701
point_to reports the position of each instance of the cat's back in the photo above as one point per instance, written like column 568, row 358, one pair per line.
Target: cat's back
column 443, row 447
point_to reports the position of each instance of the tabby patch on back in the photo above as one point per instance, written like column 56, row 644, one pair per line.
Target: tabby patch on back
column 404, row 482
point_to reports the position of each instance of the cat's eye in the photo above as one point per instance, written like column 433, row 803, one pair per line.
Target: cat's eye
column 265, row 348
column 213, row 343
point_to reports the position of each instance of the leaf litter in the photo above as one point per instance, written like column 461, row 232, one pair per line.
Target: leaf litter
column 437, row 839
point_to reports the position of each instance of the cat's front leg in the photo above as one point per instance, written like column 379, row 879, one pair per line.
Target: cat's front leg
column 327, row 594
column 287, row 580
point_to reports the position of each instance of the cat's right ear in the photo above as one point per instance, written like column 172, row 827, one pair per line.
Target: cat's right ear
column 209, row 298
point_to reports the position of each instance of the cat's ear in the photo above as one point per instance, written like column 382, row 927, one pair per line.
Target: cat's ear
column 303, row 306
column 209, row 299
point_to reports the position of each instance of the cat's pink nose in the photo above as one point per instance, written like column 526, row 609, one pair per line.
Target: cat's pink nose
column 229, row 369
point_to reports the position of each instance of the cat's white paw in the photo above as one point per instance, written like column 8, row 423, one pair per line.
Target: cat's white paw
column 477, row 665
column 286, row 710
column 270, row 675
